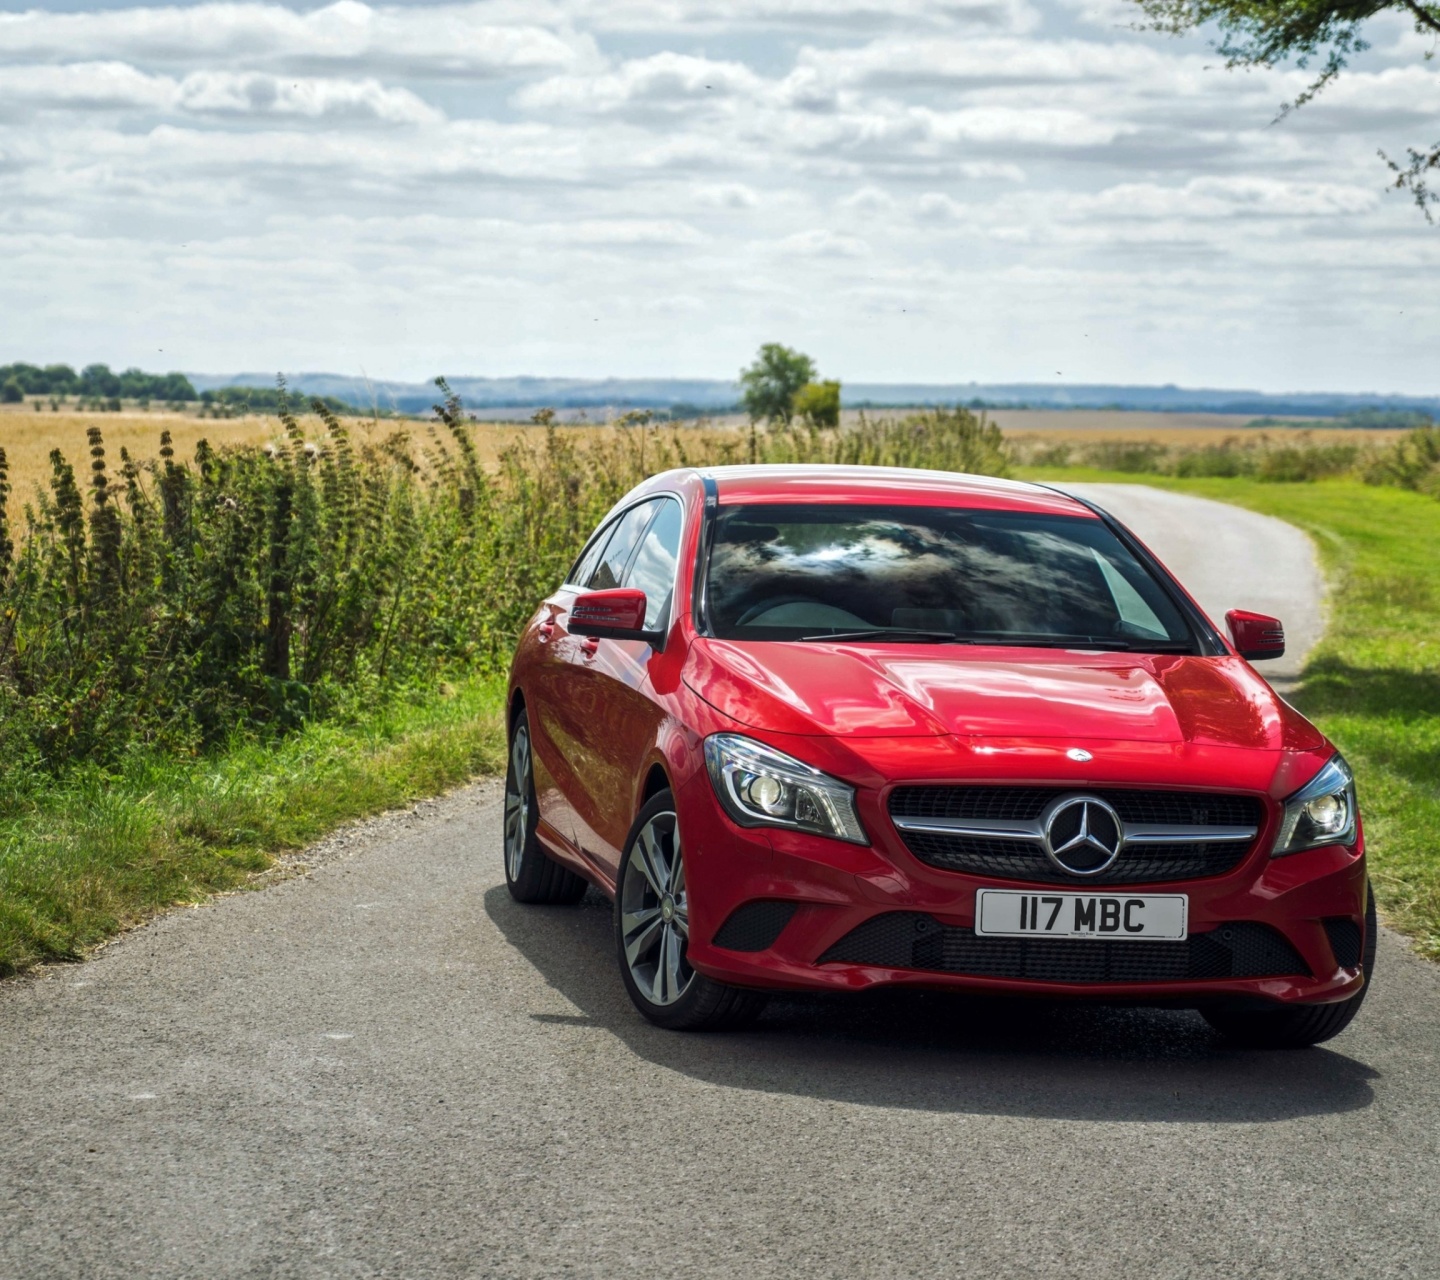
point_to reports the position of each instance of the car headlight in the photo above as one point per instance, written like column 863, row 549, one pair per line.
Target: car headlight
column 762, row 787
column 1323, row 811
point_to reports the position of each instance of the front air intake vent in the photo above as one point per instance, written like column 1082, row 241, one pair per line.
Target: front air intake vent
column 1344, row 935
column 754, row 927
column 911, row 940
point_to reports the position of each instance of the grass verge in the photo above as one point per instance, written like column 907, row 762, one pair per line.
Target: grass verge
column 101, row 850
column 1373, row 683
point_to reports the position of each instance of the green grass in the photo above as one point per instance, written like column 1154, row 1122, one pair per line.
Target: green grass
column 1373, row 682
column 102, row 850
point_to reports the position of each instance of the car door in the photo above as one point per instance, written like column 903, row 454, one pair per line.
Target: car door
column 548, row 694
column 626, row 717
column 575, row 702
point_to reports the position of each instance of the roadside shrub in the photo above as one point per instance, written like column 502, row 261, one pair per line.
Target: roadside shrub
column 1412, row 462
column 1293, row 457
column 818, row 403
column 1036, row 451
column 1294, row 463
column 1127, row 455
column 1229, row 458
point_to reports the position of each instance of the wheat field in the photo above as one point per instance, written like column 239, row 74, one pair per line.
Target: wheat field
column 28, row 437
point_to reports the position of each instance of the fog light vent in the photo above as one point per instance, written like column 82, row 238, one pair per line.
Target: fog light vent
column 755, row 926
column 1344, row 935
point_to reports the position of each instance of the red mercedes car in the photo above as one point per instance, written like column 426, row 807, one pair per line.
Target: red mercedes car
column 833, row 728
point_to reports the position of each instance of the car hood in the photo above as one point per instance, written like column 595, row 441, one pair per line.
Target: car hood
column 874, row 691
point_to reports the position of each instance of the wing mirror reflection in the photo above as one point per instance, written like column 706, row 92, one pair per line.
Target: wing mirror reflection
column 1256, row 635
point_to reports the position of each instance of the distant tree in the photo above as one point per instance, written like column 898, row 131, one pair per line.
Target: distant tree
column 134, row 383
column 30, row 377
column 770, row 384
column 819, row 403
column 173, row 386
column 12, row 392
column 60, row 380
column 97, row 380
column 1266, row 33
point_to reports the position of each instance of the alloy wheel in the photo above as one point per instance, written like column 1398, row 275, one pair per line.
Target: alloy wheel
column 517, row 802
column 655, row 912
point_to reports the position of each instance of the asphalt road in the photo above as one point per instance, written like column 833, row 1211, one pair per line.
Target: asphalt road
column 386, row 1068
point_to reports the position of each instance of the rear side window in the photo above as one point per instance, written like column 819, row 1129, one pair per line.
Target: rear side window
column 609, row 571
column 654, row 569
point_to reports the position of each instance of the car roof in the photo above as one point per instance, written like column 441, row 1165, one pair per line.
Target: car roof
column 890, row 485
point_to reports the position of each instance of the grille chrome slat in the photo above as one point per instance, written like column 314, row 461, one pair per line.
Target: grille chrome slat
column 1135, row 832
column 1167, row 833
column 994, row 830
column 998, row 831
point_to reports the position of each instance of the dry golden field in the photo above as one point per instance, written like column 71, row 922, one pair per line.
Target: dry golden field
column 28, row 437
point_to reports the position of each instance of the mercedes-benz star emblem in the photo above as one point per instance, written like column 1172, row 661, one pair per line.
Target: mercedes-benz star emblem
column 1083, row 834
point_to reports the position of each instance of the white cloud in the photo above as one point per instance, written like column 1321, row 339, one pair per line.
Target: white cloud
column 812, row 17
column 114, row 86
column 935, row 207
column 448, row 40
column 1207, row 198
column 819, row 243
column 254, row 93
column 666, row 80
column 556, row 183
column 909, row 64
column 86, row 86
column 869, row 200
column 727, row 195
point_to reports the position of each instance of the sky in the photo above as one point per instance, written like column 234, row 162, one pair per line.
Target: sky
column 987, row 190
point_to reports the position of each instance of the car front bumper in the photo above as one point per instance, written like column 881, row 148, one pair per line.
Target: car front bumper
column 836, row 888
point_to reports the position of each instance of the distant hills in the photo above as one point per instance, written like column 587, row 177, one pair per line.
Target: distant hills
column 715, row 395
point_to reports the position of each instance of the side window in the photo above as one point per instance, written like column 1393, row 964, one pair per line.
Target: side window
column 611, row 568
column 1129, row 603
column 590, row 557
column 654, row 568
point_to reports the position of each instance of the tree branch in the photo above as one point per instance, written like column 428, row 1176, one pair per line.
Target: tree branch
column 1422, row 15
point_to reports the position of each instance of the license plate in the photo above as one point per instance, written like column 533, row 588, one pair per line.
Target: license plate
column 1004, row 913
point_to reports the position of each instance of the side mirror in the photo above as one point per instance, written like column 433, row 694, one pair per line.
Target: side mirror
column 618, row 614
column 1256, row 635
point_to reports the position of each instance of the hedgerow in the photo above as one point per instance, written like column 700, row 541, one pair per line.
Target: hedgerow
column 245, row 591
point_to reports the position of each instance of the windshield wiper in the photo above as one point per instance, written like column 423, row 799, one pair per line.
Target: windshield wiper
column 891, row 633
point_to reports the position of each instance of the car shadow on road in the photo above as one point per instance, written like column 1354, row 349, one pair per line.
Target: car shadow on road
column 935, row 1051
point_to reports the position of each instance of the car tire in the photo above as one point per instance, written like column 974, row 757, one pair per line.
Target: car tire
column 531, row 874
column 1300, row 1026
column 652, row 929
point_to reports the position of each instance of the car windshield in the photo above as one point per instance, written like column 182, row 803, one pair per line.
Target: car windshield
column 933, row 575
